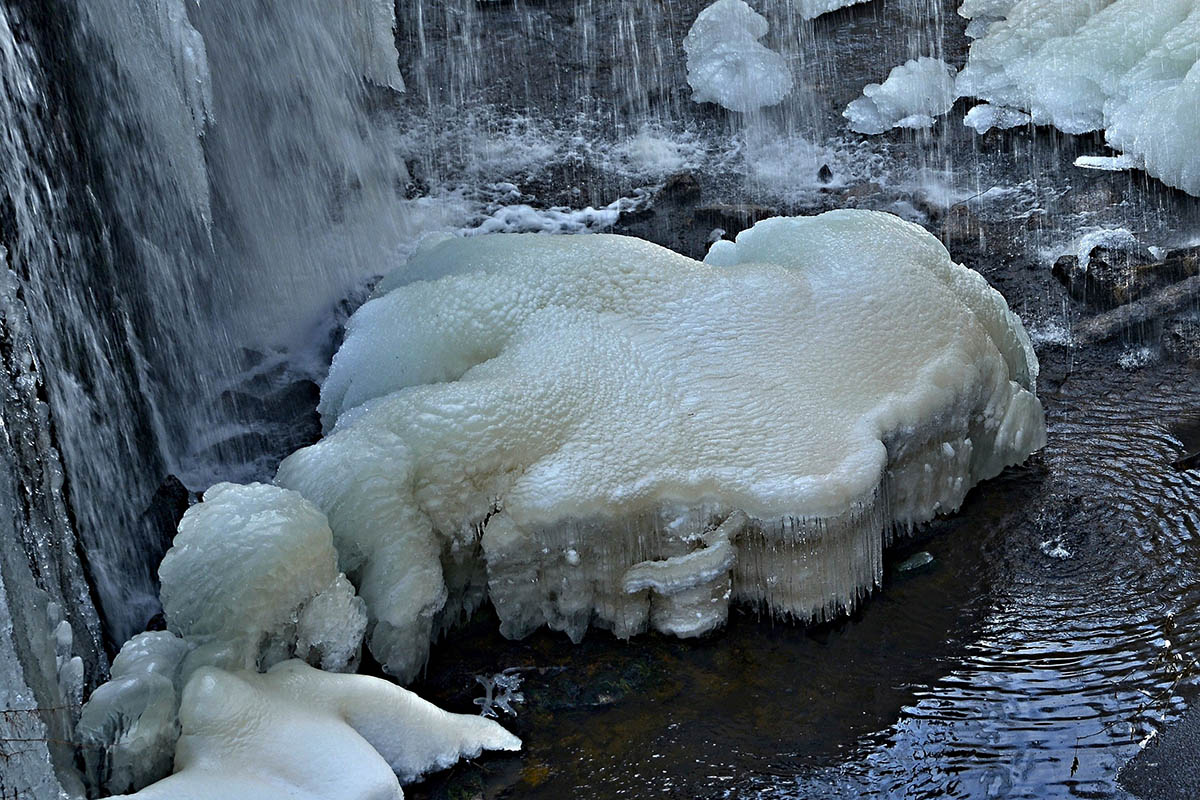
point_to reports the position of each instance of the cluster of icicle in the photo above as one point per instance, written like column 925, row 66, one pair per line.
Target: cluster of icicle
column 1130, row 68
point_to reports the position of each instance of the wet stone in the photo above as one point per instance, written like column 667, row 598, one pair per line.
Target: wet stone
column 1180, row 338
column 961, row 226
column 1115, row 276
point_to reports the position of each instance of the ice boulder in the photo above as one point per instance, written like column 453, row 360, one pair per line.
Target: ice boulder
column 1129, row 67
column 254, row 568
column 301, row 733
column 251, row 580
column 599, row 431
column 912, row 96
column 727, row 65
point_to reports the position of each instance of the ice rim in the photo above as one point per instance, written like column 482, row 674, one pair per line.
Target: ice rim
column 467, row 454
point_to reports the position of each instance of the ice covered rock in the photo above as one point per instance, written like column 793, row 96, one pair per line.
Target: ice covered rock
column 727, row 65
column 985, row 116
column 811, row 9
column 251, row 580
column 129, row 726
column 301, row 733
column 580, row 422
column 912, row 96
column 1128, row 67
column 254, row 568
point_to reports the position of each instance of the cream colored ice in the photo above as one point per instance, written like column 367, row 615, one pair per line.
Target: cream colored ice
column 1129, row 67
column 301, row 733
column 549, row 417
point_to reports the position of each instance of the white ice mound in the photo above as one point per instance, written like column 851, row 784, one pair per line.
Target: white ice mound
column 810, row 9
column 912, row 96
column 250, row 581
column 727, row 65
column 1130, row 67
column 301, row 733
column 572, row 419
column 984, row 117
column 253, row 567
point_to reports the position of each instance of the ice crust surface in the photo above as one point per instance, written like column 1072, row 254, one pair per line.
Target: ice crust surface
column 1129, row 67
column 913, row 94
column 574, row 425
column 727, row 65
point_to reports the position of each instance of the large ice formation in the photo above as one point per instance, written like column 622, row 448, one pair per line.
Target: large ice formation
column 301, row 733
column 727, row 65
column 913, row 94
column 601, row 431
column 1130, row 67
column 250, row 582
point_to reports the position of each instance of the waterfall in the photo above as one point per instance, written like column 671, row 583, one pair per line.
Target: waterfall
column 183, row 187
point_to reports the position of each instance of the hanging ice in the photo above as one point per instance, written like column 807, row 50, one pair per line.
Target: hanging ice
column 913, row 94
column 570, row 420
column 984, row 117
column 1129, row 67
column 727, row 65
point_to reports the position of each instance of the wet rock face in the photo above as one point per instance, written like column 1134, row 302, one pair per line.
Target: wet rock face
column 1115, row 276
column 1180, row 338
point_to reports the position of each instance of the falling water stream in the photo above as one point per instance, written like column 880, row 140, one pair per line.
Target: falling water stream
column 194, row 194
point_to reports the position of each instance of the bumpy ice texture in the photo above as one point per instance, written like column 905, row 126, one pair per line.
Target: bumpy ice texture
column 301, row 733
column 251, row 580
column 727, row 65
column 253, row 568
column 1129, row 67
column 913, row 94
column 606, row 432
